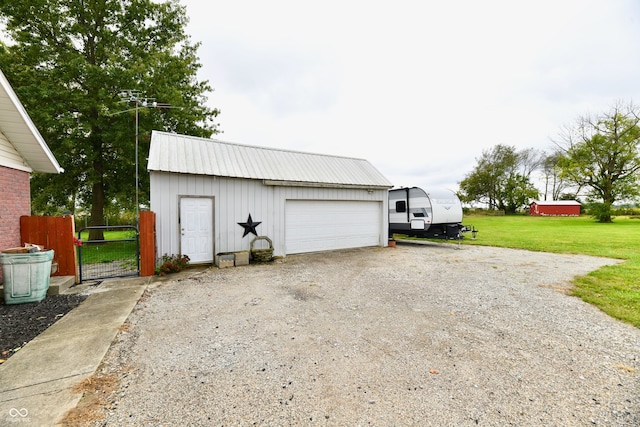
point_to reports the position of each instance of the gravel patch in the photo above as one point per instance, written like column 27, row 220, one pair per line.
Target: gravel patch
column 412, row 335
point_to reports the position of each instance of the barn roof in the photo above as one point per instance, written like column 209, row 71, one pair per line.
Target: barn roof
column 556, row 202
column 22, row 134
column 175, row 153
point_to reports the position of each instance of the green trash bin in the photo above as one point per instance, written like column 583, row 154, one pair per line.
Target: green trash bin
column 26, row 276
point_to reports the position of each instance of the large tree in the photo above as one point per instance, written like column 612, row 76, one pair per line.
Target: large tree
column 501, row 179
column 555, row 184
column 69, row 60
column 600, row 152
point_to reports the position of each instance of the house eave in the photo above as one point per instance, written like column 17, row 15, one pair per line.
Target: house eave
column 22, row 134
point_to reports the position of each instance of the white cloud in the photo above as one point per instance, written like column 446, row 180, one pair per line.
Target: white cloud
column 418, row 88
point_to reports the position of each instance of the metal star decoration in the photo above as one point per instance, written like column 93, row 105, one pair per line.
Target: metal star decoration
column 249, row 226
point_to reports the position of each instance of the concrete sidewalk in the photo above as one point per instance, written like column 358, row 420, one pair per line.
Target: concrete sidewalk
column 36, row 382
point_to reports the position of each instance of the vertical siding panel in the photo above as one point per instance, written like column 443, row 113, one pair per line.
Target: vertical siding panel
column 158, row 205
column 163, row 210
column 269, row 210
column 279, row 208
column 195, row 187
column 167, row 191
column 224, row 214
column 171, row 231
column 154, row 202
column 230, row 210
column 218, row 212
column 236, row 211
column 183, row 190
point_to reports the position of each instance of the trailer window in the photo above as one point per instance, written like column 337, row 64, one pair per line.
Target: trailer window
column 401, row 206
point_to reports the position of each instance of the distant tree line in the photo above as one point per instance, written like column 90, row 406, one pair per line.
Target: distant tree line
column 598, row 154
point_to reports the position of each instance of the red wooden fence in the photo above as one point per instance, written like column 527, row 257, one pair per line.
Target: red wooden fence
column 58, row 233
column 53, row 233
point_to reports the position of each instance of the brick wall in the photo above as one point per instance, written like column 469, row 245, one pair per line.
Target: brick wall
column 15, row 202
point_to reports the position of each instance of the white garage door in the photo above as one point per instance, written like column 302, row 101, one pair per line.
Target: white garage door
column 320, row 225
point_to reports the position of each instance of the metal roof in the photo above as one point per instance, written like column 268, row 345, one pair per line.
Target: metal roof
column 556, row 202
column 171, row 152
column 23, row 135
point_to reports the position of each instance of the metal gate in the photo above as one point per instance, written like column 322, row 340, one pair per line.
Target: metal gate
column 118, row 255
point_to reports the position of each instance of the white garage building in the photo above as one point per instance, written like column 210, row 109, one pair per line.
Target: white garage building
column 213, row 197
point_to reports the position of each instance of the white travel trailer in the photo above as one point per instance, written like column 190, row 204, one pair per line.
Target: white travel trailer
column 414, row 212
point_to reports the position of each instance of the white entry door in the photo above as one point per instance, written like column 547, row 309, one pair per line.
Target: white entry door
column 196, row 229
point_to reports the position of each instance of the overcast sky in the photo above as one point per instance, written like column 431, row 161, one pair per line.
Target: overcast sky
column 418, row 88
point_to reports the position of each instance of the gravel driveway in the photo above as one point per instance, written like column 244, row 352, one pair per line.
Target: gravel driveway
column 412, row 335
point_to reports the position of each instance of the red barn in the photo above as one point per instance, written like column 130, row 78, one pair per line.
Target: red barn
column 555, row 208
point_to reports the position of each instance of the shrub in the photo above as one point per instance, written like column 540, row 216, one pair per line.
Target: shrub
column 601, row 211
column 171, row 264
column 626, row 210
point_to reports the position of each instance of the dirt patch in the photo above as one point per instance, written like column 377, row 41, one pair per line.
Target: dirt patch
column 563, row 288
column 97, row 393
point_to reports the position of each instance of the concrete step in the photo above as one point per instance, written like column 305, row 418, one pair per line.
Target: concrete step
column 59, row 284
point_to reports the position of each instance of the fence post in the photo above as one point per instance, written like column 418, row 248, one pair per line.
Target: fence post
column 147, row 243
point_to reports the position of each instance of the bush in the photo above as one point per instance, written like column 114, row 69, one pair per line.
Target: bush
column 601, row 212
column 629, row 211
column 483, row 211
column 171, row 264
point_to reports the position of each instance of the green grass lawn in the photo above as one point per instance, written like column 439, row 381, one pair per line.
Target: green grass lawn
column 614, row 289
column 112, row 250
